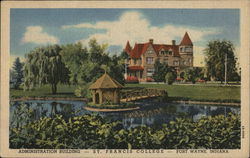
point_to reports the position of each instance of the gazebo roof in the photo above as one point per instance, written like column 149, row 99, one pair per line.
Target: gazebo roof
column 105, row 82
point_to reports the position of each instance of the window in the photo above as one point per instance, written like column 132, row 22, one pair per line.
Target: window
column 150, row 72
column 188, row 49
column 176, row 63
column 134, row 61
column 189, row 60
column 139, row 61
column 150, row 60
column 165, row 60
column 184, row 62
column 150, row 51
column 162, row 52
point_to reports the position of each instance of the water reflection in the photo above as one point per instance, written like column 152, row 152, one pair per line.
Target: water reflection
column 152, row 113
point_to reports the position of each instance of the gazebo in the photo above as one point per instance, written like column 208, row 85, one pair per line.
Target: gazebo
column 106, row 90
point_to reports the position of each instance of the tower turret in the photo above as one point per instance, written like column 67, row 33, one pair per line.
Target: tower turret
column 186, row 45
column 186, row 51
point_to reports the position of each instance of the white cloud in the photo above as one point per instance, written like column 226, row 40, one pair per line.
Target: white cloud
column 199, row 56
column 133, row 26
column 35, row 34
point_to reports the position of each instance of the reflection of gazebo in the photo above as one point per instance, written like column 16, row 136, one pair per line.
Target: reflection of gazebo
column 106, row 89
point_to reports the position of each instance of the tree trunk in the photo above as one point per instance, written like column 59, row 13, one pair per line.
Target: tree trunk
column 54, row 88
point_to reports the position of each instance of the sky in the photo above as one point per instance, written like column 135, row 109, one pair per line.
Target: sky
column 31, row 28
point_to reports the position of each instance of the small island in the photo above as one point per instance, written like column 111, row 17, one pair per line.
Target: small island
column 106, row 96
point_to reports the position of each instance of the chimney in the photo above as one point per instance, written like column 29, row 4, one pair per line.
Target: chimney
column 173, row 42
column 151, row 40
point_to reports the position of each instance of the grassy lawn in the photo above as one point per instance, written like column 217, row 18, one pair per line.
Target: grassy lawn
column 176, row 92
column 197, row 92
column 63, row 91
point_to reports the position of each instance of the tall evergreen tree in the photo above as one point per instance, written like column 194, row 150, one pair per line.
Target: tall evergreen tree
column 17, row 73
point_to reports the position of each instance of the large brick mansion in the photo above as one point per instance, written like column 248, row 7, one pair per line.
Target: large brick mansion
column 143, row 56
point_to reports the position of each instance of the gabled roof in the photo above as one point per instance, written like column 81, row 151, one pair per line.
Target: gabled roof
column 186, row 40
column 141, row 48
column 105, row 82
column 128, row 47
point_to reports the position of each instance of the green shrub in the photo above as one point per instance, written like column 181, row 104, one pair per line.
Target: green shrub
column 169, row 78
column 83, row 91
column 95, row 132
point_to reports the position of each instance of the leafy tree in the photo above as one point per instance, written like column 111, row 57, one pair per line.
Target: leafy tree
column 17, row 73
column 215, row 59
column 75, row 58
column 160, row 71
column 97, row 52
column 190, row 75
column 117, row 69
column 86, row 65
column 124, row 55
column 44, row 66
column 170, row 78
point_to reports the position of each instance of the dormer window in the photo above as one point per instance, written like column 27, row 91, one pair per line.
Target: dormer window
column 134, row 61
column 162, row 52
column 150, row 51
column 181, row 49
column 188, row 49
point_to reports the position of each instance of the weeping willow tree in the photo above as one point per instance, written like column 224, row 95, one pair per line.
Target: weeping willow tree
column 44, row 66
column 216, row 53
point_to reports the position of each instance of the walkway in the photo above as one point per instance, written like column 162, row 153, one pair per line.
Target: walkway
column 133, row 95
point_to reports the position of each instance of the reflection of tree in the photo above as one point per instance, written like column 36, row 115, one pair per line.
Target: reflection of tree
column 53, row 109
column 170, row 109
column 67, row 110
column 192, row 111
column 218, row 111
column 22, row 115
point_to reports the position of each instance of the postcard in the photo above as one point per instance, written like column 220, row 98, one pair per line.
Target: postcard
column 125, row 79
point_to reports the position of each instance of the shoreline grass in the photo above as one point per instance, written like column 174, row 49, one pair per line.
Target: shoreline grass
column 196, row 93
column 175, row 92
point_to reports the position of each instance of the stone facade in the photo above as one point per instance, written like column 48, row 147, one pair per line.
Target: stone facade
column 143, row 56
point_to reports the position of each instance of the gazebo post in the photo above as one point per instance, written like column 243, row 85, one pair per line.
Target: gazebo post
column 100, row 96
column 93, row 96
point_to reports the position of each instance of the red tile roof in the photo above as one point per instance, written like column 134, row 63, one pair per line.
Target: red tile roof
column 186, row 40
column 135, row 68
column 141, row 48
column 128, row 47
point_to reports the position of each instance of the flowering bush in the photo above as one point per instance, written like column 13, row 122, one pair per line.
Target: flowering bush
column 178, row 79
column 149, row 79
column 200, row 80
column 132, row 79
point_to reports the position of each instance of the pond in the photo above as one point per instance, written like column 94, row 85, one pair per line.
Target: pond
column 151, row 114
